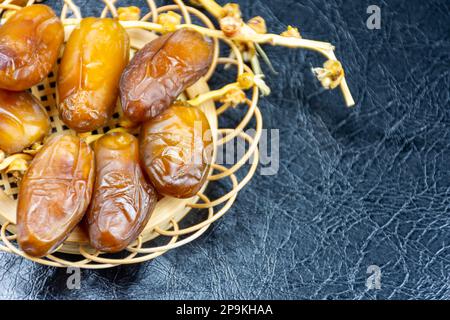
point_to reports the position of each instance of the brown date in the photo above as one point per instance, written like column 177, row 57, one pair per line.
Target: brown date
column 23, row 121
column 176, row 150
column 123, row 201
column 161, row 71
column 54, row 194
column 88, row 78
column 30, row 42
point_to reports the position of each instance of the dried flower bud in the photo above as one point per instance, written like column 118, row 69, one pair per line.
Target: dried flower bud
column 231, row 10
column 246, row 80
column 261, row 84
column 331, row 75
column 17, row 162
column 169, row 21
column 234, row 97
column 230, row 25
column 258, row 24
column 291, row 32
column 18, row 166
column 129, row 13
column 35, row 147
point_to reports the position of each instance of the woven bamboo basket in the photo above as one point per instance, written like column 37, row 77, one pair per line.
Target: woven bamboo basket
column 166, row 218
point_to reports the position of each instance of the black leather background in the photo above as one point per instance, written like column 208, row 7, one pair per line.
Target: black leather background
column 356, row 187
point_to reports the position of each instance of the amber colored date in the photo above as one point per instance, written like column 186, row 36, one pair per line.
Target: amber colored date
column 123, row 201
column 30, row 42
column 23, row 121
column 176, row 150
column 18, row 2
column 54, row 194
column 161, row 71
column 88, row 78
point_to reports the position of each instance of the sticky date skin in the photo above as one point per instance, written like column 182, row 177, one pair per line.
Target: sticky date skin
column 176, row 149
column 88, row 78
column 23, row 121
column 123, row 200
column 54, row 194
column 30, row 42
column 161, row 71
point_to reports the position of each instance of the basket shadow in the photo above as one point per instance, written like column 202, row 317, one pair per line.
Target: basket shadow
column 62, row 282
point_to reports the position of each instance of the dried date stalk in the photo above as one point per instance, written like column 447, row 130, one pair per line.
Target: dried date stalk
column 232, row 94
column 255, row 31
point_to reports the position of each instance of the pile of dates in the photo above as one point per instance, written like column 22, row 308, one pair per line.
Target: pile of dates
column 109, row 188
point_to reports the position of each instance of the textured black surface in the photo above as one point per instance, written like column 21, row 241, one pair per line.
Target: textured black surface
column 356, row 187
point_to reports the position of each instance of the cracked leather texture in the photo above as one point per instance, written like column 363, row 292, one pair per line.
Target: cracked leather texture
column 356, row 187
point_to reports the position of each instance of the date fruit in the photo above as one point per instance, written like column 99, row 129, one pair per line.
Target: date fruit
column 88, row 78
column 176, row 150
column 30, row 42
column 161, row 71
column 23, row 121
column 54, row 194
column 18, row 2
column 123, row 201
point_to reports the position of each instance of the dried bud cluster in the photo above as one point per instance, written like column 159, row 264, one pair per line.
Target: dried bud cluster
column 17, row 163
column 19, row 166
column 291, row 32
column 231, row 20
column 331, row 75
column 234, row 97
column 230, row 26
column 258, row 24
column 261, row 84
column 246, row 80
column 231, row 10
column 35, row 147
column 129, row 13
column 169, row 21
